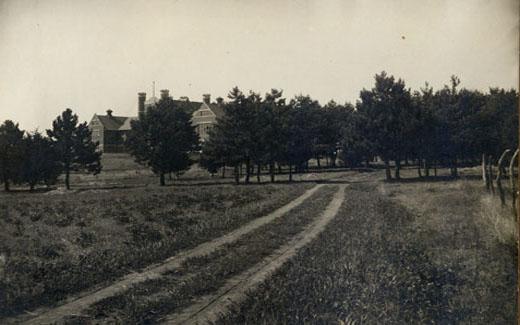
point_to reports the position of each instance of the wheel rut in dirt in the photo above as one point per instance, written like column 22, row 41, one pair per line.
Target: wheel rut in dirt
column 210, row 307
column 76, row 306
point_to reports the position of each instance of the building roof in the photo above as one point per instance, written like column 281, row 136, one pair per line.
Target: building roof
column 127, row 124
column 217, row 109
column 112, row 123
column 188, row 106
column 123, row 123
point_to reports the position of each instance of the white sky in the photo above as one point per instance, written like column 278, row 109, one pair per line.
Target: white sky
column 95, row 55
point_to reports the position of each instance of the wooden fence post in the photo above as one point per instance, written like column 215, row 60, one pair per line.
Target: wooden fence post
column 512, row 180
column 490, row 173
column 500, row 172
column 484, row 172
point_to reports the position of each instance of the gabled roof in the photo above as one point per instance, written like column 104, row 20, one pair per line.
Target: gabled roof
column 112, row 122
column 127, row 124
column 217, row 109
column 188, row 106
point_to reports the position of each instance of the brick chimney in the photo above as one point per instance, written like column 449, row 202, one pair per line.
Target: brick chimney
column 141, row 98
column 220, row 101
column 206, row 98
column 165, row 93
column 109, row 112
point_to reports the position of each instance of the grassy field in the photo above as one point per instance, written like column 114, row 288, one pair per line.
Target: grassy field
column 414, row 251
column 399, row 253
column 154, row 299
column 55, row 245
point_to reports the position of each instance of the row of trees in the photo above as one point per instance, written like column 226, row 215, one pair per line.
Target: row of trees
column 253, row 132
column 449, row 127
column 257, row 132
column 35, row 158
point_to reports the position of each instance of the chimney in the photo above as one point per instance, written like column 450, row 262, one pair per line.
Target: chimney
column 109, row 112
column 184, row 98
column 206, row 98
column 141, row 98
column 220, row 101
column 165, row 93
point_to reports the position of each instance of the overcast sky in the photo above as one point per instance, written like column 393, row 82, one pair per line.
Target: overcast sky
column 95, row 55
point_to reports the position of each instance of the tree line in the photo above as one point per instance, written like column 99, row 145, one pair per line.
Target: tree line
column 450, row 127
column 35, row 158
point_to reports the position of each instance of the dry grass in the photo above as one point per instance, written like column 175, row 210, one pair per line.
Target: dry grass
column 367, row 268
column 412, row 252
column 54, row 245
column 151, row 300
column 467, row 229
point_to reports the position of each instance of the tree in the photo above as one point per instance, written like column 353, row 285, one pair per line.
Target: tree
column 255, row 127
column 330, row 121
column 234, row 137
column 210, row 157
column 355, row 144
column 40, row 164
column 272, row 131
column 387, row 108
column 11, row 152
column 301, row 132
column 162, row 139
column 426, row 146
column 74, row 146
column 453, row 119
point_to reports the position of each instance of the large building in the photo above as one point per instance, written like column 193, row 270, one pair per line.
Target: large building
column 111, row 131
column 205, row 117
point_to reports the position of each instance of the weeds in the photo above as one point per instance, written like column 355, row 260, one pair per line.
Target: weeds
column 51, row 251
column 149, row 301
column 368, row 266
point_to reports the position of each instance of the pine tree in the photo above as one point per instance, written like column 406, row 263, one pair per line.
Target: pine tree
column 40, row 163
column 163, row 138
column 386, row 107
column 74, row 145
column 272, row 132
column 301, row 132
column 11, row 153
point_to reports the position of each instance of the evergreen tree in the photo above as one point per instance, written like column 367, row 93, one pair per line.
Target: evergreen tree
column 162, row 139
column 272, row 131
column 301, row 132
column 11, row 153
column 386, row 107
column 426, row 145
column 355, row 144
column 257, row 144
column 331, row 120
column 450, row 118
column 235, row 133
column 40, row 163
column 74, row 146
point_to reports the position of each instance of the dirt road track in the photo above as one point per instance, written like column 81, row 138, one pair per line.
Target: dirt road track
column 75, row 307
column 209, row 307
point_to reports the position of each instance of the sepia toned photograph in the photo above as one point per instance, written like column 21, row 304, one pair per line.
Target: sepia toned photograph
column 268, row 162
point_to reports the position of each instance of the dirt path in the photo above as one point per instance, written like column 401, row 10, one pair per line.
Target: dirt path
column 88, row 299
column 211, row 306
